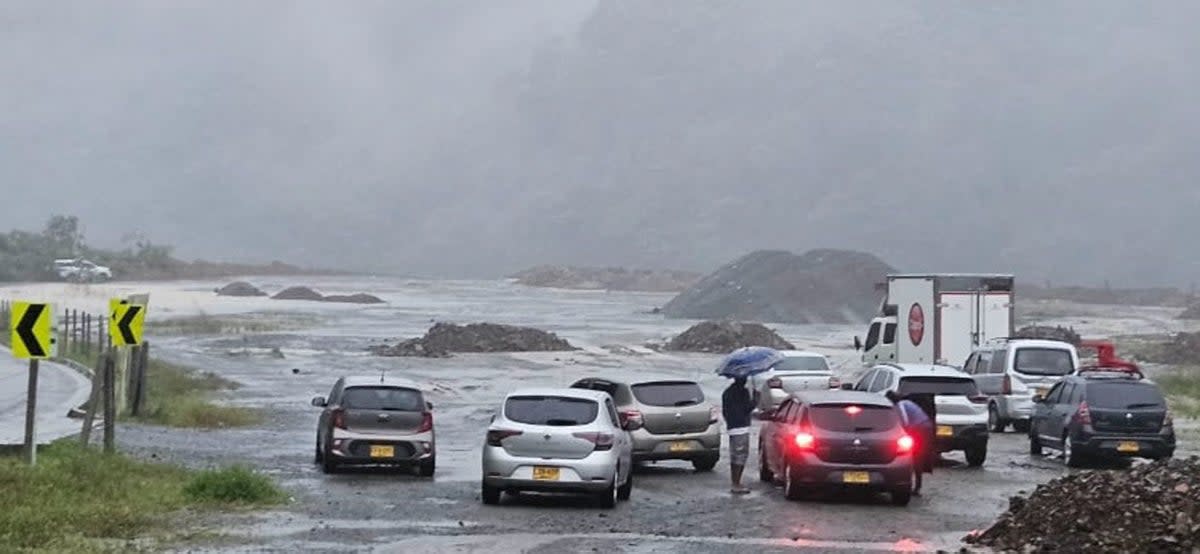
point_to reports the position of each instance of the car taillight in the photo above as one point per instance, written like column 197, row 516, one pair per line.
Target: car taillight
column 978, row 398
column 804, row 441
column 904, row 444
column 853, row 410
column 1082, row 415
column 494, row 436
column 339, row 418
column 835, row 383
column 714, row 415
column 774, row 383
column 1006, row 387
column 631, row 415
column 426, row 422
column 603, row 441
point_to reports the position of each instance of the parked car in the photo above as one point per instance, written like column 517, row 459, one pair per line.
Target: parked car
column 837, row 440
column 1013, row 371
column 1103, row 415
column 798, row 371
column 675, row 420
column 73, row 269
column 375, row 421
column 559, row 440
column 960, row 411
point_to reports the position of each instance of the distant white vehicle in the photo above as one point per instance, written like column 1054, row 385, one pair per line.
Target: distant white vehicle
column 799, row 370
column 79, row 269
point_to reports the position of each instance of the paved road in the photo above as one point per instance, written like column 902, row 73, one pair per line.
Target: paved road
column 59, row 390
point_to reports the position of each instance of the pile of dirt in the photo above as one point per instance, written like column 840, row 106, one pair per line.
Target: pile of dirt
column 721, row 337
column 1058, row 332
column 444, row 338
column 1152, row 508
column 240, row 288
column 820, row 286
column 298, row 293
column 1192, row 312
column 606, row 278
column 360, row 298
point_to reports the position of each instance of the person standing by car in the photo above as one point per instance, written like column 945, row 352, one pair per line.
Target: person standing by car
column 919, row 426
column 736, row 406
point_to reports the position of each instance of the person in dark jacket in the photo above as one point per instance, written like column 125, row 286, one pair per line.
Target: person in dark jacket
column 737, row 406
column 919, row 425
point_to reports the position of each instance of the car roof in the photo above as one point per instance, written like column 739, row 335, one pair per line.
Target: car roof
column 564, row 392
column 924, row 369
column 642, row 378
column 801, row 354
column 841, row 397
column 1042, row 343
column 375, row 380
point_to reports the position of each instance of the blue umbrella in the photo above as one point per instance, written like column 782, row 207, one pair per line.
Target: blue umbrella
column 748, row 361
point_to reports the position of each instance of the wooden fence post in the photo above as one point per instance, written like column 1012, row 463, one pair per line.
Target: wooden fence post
column 94, row 399
column 110, row 408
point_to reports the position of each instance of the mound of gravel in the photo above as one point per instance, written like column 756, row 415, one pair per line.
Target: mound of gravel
column 360, row 298
column 721, row 337
column 444, row 338
column 240, row 288
column 820, row 286
column 298, row 293
column 1152, row 508
column 1046, row 332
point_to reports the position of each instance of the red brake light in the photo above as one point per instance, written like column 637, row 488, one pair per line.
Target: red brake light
column 1006, row 388
column 904, row 444
column 804, row 441
column 1083, row 415
column 603, row 441
column 774, row 383
column 853, row 410
column 426, row 422
column 494, row 436
column 339, row 418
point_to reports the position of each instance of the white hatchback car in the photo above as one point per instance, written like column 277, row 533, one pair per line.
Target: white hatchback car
column 558, row 440
column 798, row 371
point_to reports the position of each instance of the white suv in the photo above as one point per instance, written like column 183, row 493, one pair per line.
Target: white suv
column 960, row 411
column 81, row 270
column 1012, row 371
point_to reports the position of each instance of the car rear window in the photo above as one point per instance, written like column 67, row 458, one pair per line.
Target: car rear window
column 383, row 398
column 850, row 418
column 551, row 410
column 1043, row 361
column 802, row 363
column 668, row 393
column 940, row 386
column 1124, row 396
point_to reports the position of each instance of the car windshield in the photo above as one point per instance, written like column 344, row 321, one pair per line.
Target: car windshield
column 383, row 398
column 551, row 410
column 1125, row 396
column 940, row 386
column 850, row 418
column 668, row 393
column 801, row 363
column 1043, row 361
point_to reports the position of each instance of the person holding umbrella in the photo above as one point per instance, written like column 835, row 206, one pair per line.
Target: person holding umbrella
column 737, row 406
column 919, row 426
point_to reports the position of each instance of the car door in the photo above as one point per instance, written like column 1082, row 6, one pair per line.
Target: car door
column 623, row 440
column 1051, row 425
column 777, row 440
column 324, row 426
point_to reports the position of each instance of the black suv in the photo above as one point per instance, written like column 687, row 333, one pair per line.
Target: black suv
column 1102, row 414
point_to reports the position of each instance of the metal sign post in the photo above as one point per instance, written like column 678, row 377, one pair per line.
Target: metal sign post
column 32, row 339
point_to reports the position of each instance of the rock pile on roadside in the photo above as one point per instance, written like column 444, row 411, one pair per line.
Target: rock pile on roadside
column 721, row 337
column 240, row 288
column 1151, row 508
column 445, row 338
column 1046, row 332
column 298, row 293
column 359, row 298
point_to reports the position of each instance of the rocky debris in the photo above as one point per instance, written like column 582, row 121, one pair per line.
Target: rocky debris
column 240, row 288
column 298, row 293
column 444, row 338
column 1046, row 332
column 820, row 286
column 1192, row 312
column 606, row 278
column 722, row 337
column 360, row 298
column 1151, row 508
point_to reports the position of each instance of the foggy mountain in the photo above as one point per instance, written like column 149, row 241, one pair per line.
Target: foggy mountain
column 1052, row 139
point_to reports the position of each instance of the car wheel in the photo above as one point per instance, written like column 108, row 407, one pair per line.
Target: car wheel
column 903, row 495
column 626, row 489
column 706, row 463
column 791, row 487
column 328, row 464
column 1035, row 444
column 427, row 467
column 976, row 454
column 317, row 452
column 996, row 424
column 1021, row 425
column 1071, row 456
column 764, row 473
column 608, row 498
column 489, row 494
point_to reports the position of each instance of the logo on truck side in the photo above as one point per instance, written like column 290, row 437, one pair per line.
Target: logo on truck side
column 916, row 324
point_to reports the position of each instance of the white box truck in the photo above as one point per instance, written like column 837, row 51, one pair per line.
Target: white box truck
column 938, row 318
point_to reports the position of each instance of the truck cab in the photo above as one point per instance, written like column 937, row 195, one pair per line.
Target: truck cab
column 880, row 345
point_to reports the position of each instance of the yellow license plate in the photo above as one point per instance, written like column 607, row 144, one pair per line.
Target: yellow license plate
column 382, row 451
column 1127, row 446
column 680, row 446
column 856, row 477
column 945, row 431
column 545, row 473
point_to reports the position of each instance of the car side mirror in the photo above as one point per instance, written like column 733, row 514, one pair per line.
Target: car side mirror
column 319, row 402
column 847, row 386
column 857, row 343
column 428, row 406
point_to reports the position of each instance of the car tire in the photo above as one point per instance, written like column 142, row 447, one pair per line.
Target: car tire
column 995, row 423
column 1021, row 425
column 1071, row 456
column 792, row 489
column 328, row 464
column 608, row 498
column 426, row 467
column 976, row 454
column 902, row 496
column 1035, row 444
column 706, row 463
column 489, row 495
column 764, row 473
column 626, row 490
column 317, row 458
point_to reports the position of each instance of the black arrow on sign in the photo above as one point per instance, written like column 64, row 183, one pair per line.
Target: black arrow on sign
column 123, row 325
column 25, row 330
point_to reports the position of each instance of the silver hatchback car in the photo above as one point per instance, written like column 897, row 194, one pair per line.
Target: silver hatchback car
column 375, row 421
column 558, row 440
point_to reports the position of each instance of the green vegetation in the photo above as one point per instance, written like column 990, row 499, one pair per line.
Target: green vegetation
column 78, row 499
column 1182, row 387
column 180, row 396
column 205, row 324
